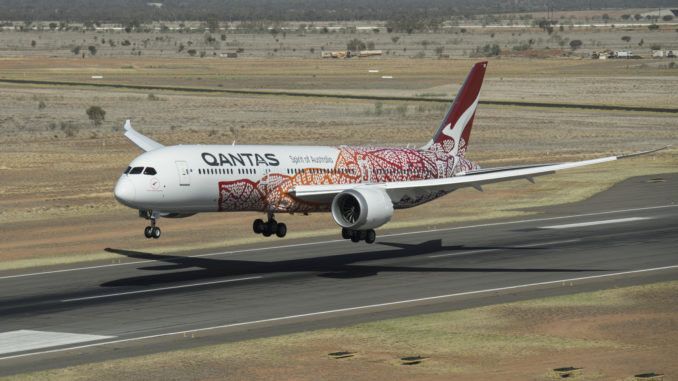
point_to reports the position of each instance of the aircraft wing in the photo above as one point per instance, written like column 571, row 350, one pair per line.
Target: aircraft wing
column 142, row 141
column 400, row 189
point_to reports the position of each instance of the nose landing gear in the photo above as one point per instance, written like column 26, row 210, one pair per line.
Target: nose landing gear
column 269, row 227
column 151, row 231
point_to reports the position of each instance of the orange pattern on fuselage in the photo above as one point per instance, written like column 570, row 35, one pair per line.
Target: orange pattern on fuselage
column 353, row 165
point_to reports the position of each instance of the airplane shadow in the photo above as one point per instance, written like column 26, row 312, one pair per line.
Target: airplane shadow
column 343, row 266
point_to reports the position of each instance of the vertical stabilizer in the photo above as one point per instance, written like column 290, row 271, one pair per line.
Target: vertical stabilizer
column 454, row 132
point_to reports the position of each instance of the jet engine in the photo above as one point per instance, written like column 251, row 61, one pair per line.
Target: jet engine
column 362, row 208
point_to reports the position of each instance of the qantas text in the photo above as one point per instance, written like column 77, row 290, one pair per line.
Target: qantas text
column 242, row 159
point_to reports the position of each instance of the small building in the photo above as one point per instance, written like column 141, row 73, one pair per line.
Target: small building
column 229, row 55
column 661, row 53
column 369, row 53
column 336, row 54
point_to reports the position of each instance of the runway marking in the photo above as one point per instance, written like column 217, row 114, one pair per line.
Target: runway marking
column 593, row 223
column 26, row 340
column 341, row 240
column 157, row 289
column 560, row 281
column 500, row 249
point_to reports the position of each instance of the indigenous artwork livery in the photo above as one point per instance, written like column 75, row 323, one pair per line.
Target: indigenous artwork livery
column 360, row 186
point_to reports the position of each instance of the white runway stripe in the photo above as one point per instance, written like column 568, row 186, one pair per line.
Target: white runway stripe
column 593, row 223
column 157, row 289
column 26, row 340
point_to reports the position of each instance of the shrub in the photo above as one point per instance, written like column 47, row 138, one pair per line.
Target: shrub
column 575, row 44
column 96, row 114
column 69, row 129
column 355, row 44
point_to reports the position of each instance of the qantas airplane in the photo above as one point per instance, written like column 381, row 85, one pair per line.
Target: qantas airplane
column 360, row 186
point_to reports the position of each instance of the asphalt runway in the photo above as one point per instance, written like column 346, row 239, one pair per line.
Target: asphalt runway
column 56, row 317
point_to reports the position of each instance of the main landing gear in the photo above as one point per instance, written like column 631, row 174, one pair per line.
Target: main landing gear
column 269, row 227
column 368, row 235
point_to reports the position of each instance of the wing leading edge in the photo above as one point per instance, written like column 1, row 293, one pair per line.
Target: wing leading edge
column 476, row 179
column 141, row 141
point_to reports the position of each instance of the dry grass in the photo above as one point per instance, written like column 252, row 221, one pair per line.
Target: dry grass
column 612, row 334
column 56, row 201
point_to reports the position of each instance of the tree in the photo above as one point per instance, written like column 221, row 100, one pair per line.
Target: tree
column 355, row 44
column 667, row 18
column 96, row 114
column 76, row 50
column 626, row 38
column 92, row 50
column 653, row 27
column 192, row 52
column 53, row 26
column 575, row 44
column 33, row 43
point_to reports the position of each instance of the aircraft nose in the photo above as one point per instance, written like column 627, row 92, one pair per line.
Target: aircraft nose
column 124, row 191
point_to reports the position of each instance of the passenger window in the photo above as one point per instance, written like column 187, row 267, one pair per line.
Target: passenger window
column 150, row 171
column 127, row 170
column 136, row 170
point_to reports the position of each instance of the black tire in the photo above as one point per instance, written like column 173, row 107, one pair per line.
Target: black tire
column 258, row 226
column 156, row 232
column 345, row 233
column 281, row 230
column 267, row 231
column 370, row 236
column 355, row 236
column 148, row 232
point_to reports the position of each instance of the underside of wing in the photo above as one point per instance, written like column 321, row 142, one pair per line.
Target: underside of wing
column 141, row 141
column 476, row 179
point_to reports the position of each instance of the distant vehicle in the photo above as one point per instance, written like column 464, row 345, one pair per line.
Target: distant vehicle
column 360, row 186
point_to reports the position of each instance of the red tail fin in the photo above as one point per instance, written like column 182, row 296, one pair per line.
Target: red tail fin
column 454, row 132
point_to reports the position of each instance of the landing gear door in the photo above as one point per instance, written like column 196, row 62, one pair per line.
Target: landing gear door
column 184, row 175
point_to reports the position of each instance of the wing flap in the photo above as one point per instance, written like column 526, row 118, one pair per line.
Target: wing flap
column 141, row 141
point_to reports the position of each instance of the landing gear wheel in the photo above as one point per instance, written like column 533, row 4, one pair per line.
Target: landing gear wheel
column 345, row 233
column 148, row 232
column 156, row 232
column 370, row 236
column 258, row 226
column 355, row 236
column 281, row 230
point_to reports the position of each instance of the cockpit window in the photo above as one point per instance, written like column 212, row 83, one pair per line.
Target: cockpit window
column 136, row 170
column 127, row 170
column 150, row 171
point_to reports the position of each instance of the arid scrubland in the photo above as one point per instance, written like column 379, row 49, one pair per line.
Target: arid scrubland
column 59, row 168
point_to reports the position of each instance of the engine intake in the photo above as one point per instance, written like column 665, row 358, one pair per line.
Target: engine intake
column 362, row 208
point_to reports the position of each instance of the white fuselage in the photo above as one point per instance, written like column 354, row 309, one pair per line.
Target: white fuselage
column 189, row 179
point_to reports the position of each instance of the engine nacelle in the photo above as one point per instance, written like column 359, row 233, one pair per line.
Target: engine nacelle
column 362, row 208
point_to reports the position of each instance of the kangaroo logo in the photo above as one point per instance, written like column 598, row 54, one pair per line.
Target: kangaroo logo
column 455, row 132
